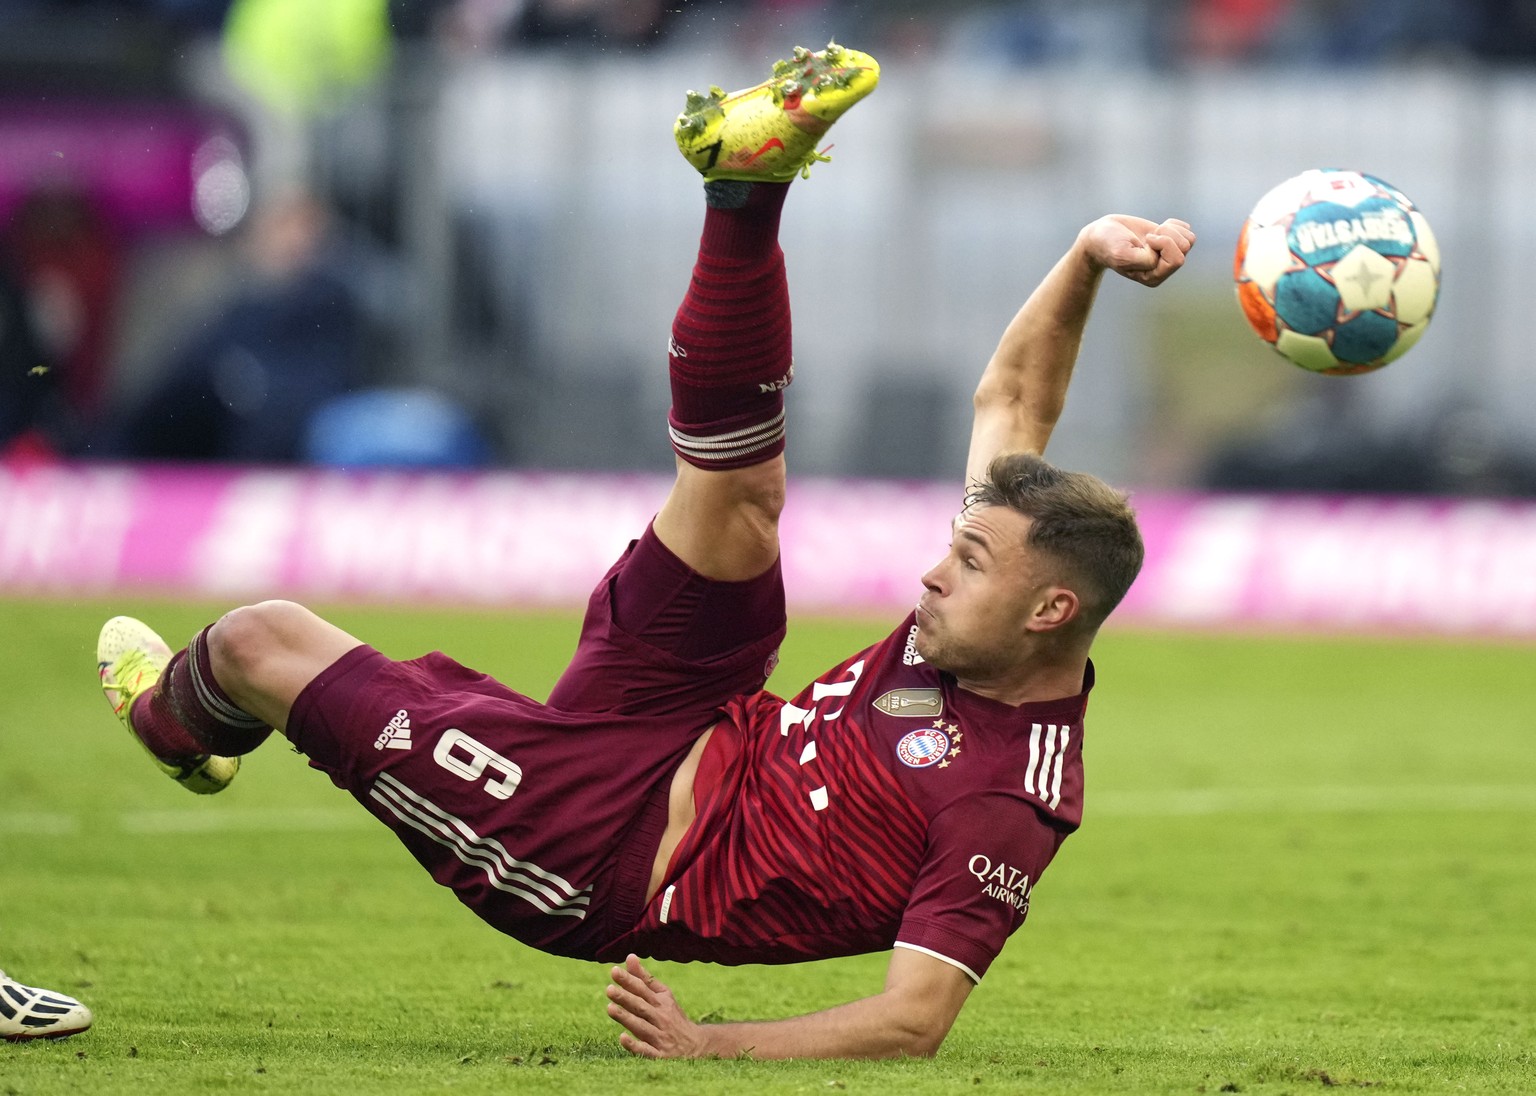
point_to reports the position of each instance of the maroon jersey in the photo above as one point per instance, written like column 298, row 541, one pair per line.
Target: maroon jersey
column 883, row 806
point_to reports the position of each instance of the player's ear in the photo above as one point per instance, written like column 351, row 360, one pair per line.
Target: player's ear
column 1056, row 607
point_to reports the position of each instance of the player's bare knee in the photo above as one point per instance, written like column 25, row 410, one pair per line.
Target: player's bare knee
column 245, row 639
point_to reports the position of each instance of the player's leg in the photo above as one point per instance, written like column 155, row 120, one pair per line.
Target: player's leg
column 694, row 611
column 198, row 710
column 730, row 354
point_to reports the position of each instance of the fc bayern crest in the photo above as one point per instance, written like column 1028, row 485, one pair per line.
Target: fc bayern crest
column 921, row 748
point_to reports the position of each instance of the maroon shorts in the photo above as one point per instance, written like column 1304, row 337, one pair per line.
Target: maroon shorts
column 545, row 818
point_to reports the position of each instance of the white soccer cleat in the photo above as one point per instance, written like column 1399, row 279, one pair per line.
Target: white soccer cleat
column 27, row 1013
column 130, row 657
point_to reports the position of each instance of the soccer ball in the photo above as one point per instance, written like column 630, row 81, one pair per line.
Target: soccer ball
column 1337, row 271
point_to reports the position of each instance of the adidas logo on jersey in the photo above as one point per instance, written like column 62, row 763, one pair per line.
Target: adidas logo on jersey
column 396, row 736
column 909, row 656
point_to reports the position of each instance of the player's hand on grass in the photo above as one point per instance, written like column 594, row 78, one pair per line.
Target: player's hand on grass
column 655, row 1025
column 1137, row 248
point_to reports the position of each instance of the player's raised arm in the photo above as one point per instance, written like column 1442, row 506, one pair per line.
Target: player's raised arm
column 909, row 1018
column 1024, row 387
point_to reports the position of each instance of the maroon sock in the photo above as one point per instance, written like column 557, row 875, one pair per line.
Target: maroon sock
column 188, row 714
column 730, row 356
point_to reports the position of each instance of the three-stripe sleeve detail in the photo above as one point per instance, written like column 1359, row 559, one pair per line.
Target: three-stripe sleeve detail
column 1047, row 759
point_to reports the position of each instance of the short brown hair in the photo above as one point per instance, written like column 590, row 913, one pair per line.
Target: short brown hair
column 1077, row 518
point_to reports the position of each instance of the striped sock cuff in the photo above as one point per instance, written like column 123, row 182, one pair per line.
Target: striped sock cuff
column 194, row 701
column 210, row 696
column 727, row 445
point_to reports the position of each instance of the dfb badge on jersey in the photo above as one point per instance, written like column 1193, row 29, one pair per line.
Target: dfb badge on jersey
column 923, row 747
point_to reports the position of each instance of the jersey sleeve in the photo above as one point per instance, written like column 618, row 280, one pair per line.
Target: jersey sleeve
column 983, row 857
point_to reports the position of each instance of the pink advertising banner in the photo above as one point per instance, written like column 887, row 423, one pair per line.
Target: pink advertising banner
column 139, row 164
column 1456, row 567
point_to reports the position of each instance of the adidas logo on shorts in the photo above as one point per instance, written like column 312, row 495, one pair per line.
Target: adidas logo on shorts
column 396, row 736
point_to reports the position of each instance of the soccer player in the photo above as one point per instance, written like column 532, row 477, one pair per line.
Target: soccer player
column 660, row 803
column 29, row 1013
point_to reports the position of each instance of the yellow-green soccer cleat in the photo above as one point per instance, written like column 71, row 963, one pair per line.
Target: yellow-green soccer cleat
column 768, row 133
column 130, row 657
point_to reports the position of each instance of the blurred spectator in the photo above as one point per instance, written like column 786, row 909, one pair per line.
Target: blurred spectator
column 68, row 261
column 1233, row 30
column 1343, row 31
column 474, row 25
column 636, row 23
column 243, row 386
column 33, row 420
column 1507, row 31
column 400, row 427
column 84, row 48
column 1036, row 33
column 198, row 16
column 1327, row 445
column 306, row 59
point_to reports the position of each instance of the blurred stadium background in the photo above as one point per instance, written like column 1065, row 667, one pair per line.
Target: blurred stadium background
column 450, row 234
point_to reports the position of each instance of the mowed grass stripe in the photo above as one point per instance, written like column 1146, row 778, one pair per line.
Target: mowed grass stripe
column 1362, row 799
column 1357, row 799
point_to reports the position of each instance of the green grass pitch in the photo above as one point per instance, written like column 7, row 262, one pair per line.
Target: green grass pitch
column 1307, row 864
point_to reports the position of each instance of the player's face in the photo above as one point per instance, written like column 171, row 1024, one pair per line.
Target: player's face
column 975, row 616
